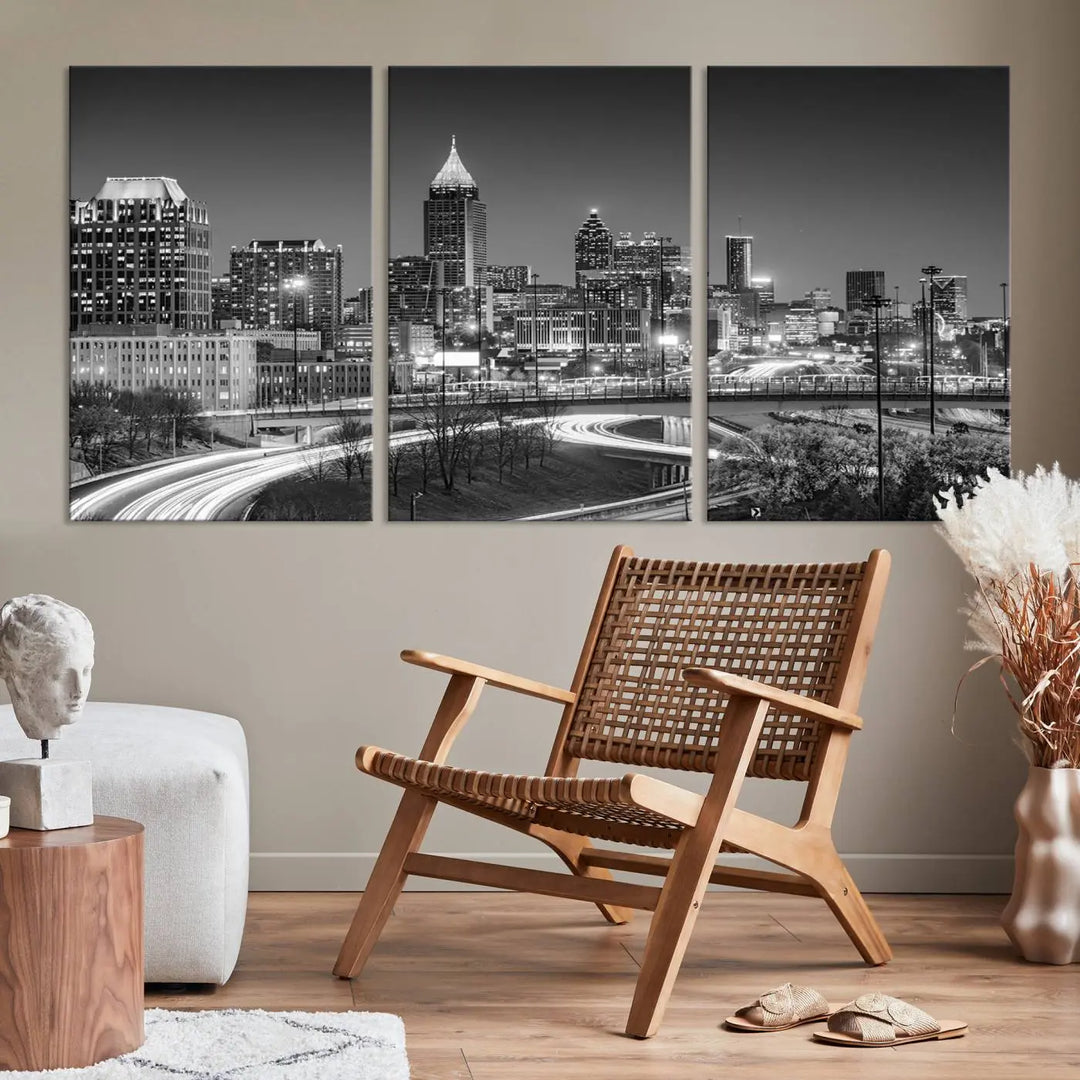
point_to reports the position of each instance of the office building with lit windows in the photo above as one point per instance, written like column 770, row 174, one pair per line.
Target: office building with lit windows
column 592, row 250
column 861, row 287
column 139, row 255
column 765, row 288
column 286, row 283
column 508, row 278
column 413, row 284
column 951, row 299
column 455, row 223
column 218, row 371
column 740, row 261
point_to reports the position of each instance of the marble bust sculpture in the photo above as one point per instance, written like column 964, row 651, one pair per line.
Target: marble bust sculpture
column 46, row 657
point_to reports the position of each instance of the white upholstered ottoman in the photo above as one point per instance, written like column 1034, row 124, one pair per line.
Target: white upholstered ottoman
column 184, row 775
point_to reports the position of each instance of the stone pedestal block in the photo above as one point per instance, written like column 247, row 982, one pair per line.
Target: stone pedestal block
column 47, row 793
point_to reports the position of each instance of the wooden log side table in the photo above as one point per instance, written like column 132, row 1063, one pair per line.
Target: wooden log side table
column 71, row 945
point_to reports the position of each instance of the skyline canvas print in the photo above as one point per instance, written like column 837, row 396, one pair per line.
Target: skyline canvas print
column 858, row 328
column 220, row 293
column 539, row 293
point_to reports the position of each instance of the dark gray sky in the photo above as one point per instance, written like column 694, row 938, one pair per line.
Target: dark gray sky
column 276, row 153
column 545, row 145
column 889, row 169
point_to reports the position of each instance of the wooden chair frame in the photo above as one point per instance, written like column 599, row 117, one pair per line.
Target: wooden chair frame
column 704, row 824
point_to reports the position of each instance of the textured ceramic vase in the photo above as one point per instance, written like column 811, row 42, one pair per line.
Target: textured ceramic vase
column 1043, row 915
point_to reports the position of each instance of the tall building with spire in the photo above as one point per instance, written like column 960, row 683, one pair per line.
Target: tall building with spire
column 455, row 224
column 593, row 250
column 140, row 254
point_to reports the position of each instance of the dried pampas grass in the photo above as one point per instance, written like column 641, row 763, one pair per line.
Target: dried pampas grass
column 1020, row 539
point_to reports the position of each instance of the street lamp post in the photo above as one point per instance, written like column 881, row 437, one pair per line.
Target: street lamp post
column 412, row 504
column 896, row 321
column 584, row 327
column 294, row 285
column 442, row 392
column 1005, row 327
column 877, row 303
column 931, row 272
column 622, row 334
column 663, row 328
column 479, row 336
column 922, row 321
column 536, row 340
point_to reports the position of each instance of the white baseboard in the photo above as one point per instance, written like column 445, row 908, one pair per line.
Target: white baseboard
column 330, row 871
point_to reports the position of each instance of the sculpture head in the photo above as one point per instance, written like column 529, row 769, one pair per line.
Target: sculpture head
column 46, row 657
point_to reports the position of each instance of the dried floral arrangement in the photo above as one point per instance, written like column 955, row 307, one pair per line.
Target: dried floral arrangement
column 1019, row 538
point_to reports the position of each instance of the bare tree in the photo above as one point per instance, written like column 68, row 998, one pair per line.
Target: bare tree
column 449, row 427
column 502, row 443
column 548, row 412
column 350, row 439
column 398, row 453
column 317, row 465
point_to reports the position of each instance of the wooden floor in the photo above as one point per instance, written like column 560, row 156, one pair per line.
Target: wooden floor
column 493, row 986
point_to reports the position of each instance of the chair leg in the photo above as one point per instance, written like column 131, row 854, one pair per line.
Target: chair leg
column 387, row 879
column 839, row 891
column 569, row 848
column 691, row 867
column 669, row 934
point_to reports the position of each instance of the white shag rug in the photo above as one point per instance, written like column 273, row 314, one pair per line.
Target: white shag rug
column 249, row 1044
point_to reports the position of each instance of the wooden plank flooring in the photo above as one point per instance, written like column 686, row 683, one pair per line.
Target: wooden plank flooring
column 495, row 985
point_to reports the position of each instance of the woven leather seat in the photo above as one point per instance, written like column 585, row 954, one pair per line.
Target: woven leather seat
column 602, row 808
column 723, row 669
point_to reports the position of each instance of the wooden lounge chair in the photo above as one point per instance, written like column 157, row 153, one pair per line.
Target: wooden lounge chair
column 728, row 670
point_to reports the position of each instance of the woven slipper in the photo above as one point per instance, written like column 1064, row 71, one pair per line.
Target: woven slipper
column 880, row 1020
column 785, row 1007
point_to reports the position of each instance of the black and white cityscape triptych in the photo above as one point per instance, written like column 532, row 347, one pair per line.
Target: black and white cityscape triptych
column 537, row 353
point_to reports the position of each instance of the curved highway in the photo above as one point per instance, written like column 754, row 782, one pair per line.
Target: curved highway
column 210, row 487
column 600, row 430
column 221, row 486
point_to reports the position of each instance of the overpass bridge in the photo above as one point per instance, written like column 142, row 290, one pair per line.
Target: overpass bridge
column 653, row 397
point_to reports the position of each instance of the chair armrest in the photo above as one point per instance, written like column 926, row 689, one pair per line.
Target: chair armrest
column 799, row 704
column 450, row 666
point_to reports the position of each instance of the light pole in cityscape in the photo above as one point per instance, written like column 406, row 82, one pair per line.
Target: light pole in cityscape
column 877, row 303
column 479, row 334
column 442, row 328
column 922, row 322
column 536, row 340
column 663, row 327
column 295, row 285
column 896, row 321
column 1005, row 326
column 931, row 272
column 622, row 333
column 584, row 328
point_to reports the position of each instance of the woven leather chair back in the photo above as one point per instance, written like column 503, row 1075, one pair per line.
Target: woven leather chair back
column 792, row 626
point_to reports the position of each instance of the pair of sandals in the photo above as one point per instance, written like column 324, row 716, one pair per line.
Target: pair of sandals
column 870, row 1020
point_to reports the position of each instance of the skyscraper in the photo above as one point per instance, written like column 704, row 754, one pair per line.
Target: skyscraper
column 862, row 286
column 259, row 276
column 413, row 285
column 140, row 253
column 766, row 290
column 455, row 223
column 950, row 298
column 636, row 270
column 739, row 262
column 592, row 250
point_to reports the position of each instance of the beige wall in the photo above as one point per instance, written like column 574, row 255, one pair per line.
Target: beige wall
column 295, row 629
